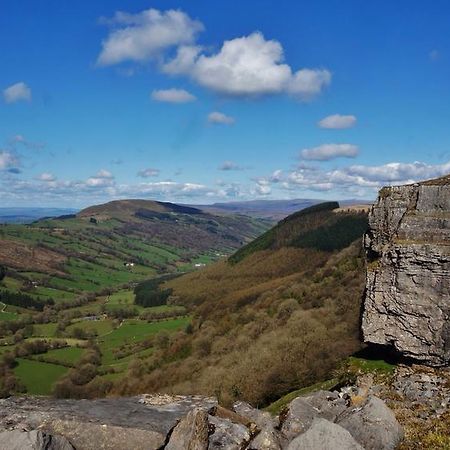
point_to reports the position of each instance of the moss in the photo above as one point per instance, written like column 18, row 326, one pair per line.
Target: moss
column 276, row 407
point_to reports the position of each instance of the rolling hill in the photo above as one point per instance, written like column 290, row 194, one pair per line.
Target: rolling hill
column 281, row 313
column 108, row 245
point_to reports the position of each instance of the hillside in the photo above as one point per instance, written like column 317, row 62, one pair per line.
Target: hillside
column 270, row 209
column 115, row 243
column 281, row 313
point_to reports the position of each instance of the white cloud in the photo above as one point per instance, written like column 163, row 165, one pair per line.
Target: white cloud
column 400, row 173
column 220, row 118
column 147, row 173
column 248, row 66
column 337, row 121
column 46, row 177
column 102, row 178
column 326, row 152
column 17, row 92
column 360, row 180
column 172, row 96
column 143, row 36
column 8, row 161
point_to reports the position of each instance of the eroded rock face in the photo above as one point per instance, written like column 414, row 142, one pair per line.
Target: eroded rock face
column 407, row 302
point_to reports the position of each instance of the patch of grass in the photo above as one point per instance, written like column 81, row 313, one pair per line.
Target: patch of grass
column 5, row 315
column 68, row 355
column 44, row 329
column 276, row 407
column 38, row 377
column 371, row 365
column 99, row 327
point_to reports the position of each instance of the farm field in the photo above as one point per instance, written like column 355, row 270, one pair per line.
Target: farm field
column 70, row 321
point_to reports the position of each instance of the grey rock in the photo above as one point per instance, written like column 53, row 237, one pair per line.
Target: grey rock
column 373, row 425
column 407, row 301
column 328, row 404
column 303, row 410
column 267, row 439
column 227, row 435
column 324, row 435
column 191, row 433
column 298, row 418
column 127, row 422
column 262, row 419
column 33, row 440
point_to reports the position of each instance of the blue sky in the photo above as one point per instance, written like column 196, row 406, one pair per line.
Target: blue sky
column 200, row 101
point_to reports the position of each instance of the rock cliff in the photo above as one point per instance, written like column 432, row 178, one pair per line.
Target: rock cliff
column 407, row 301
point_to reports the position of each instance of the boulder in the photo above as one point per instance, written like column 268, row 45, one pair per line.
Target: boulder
column 262, row 419
column 303, row 410
column 324, row 435
column 191, row 433
column 373, row 425
column 297, row 418
column 267, row 439
column 227, row 435
column 408, row 272
column 127, row 422
column 33, row 440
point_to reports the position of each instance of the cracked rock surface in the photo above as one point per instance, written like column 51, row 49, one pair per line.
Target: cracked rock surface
column 407, row 301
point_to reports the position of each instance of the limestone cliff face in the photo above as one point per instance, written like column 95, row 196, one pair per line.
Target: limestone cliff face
column 407, row 301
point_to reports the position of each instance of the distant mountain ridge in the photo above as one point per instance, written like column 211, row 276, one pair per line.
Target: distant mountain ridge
column 30, row 214
column 271, row 209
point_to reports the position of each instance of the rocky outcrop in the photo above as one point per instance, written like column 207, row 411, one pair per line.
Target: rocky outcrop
column 320, row 421
column 407, row 301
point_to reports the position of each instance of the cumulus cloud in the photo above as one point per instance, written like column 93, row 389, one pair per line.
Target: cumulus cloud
column 172, row 96
column 144, row 36
column 337, row 122
column 360, row 180
column 326, row 152
column 147, row 173
column 46, row 177
column 248, row 66
column 220, row 118
column 17, row 92
column 102, row 178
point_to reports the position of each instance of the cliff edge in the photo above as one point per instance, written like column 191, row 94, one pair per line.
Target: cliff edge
column 407, row 300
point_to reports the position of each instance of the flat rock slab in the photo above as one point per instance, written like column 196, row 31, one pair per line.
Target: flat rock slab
column 103, row 423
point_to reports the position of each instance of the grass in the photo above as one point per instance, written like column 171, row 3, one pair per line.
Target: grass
column 8, row 315
column 99, row 327
column 44, row 329
column 371, row 365
column 133, row 331
column 38, row 377
column 276, row 407
column 68, row 355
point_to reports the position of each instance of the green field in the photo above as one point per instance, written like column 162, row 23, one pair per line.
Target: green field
column 68, row 355
column 38, row 377
column 98, row 327
column 132, row 331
